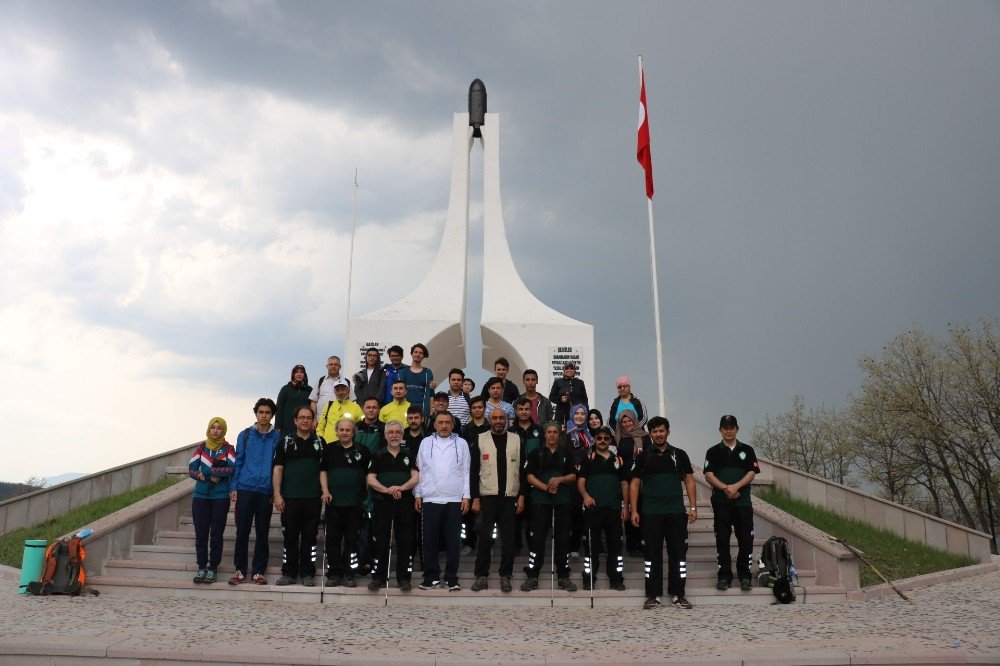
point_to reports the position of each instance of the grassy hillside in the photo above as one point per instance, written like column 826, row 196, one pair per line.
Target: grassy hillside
column 12, row 544
column 894, row 556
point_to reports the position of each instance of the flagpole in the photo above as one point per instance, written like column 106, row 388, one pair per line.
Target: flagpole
column 656, row 289
column 354, row 226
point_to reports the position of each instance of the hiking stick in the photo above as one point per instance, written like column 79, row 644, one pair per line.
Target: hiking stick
column 590, row 553
column 552, row 561
column 388, row 561
column 322, row 581
column 864, row 558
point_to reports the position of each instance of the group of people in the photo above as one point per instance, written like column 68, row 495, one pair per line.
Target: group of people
column 402, row 464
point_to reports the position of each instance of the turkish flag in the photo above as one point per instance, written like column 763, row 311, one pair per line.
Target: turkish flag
column 642, row 152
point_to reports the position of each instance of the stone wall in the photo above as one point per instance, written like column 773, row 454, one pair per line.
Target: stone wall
column 39, row 506
column 904, row 521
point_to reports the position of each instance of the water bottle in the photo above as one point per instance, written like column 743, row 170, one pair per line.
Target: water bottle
column 795, row 576
column 83, row 534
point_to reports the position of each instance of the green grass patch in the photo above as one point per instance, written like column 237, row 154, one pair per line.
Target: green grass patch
column 12, row 544
column 894, row 556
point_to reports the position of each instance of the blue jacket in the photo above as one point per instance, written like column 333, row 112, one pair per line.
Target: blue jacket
column 254, row 460
column 218, row 464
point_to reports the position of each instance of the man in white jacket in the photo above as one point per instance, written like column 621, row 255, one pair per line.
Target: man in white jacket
column 442, row 496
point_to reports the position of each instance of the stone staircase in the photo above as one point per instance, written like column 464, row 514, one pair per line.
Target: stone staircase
column 165, row 566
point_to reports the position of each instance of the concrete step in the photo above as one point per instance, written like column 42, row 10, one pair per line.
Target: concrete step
column 696, row 538
column 702, row 558
column 177, row 571
column 543, row 597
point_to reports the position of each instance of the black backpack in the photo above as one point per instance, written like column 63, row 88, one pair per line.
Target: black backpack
column 776, row 560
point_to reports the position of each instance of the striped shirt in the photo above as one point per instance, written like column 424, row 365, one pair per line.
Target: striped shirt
column 458, row 405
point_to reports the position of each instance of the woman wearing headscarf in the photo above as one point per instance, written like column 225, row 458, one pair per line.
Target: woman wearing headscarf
column 625, row 401
column 580, row 441
column 594, row 421
column 211, row 466
column 631, row 439
column 292, row 395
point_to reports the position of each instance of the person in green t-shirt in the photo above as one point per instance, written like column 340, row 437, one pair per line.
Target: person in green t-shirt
column 297, row 490
column 603, row 484
column 660, row 474
column 345, row 466
column 730, row 467
column 392, row 473
column 549, row 472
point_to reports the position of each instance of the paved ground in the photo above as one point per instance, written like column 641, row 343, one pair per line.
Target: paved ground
column 957, row 622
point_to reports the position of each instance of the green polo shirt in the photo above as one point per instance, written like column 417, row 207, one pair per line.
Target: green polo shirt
column 662, row 474
column 301, row 461
column 729, row 467
column 545, row 464
column 392, row 470
column 604, row 479
column 346, row 470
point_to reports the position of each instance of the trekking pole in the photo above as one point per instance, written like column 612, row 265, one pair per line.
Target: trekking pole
column 590, row 553
column 388, row 561
column 552, row 561
column 322, row 580
column 864, row 558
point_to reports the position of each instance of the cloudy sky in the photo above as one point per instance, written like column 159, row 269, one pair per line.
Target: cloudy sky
column 175, row 195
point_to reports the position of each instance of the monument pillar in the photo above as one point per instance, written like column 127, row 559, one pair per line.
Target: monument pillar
column 514, row 323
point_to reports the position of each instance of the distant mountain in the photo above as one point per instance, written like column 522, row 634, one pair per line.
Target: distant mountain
column 8, row 490
column 62, row 478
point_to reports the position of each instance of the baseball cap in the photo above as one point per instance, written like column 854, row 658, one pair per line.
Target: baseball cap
column 728, row 421
column 341, row 382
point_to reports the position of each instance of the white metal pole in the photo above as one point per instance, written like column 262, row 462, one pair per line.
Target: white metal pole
column 656, row 290
column 354, row 225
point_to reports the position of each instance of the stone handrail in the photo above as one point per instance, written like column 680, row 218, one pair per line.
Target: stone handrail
column 41, row 505
column 115, row 534
column 835, row 565
column 878, row 512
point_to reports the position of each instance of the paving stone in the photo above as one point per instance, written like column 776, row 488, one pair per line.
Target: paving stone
column 145, row 627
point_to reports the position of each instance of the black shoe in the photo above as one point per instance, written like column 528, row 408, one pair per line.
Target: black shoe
column 454, row 586
column 430, row 585
column 505, row 585
column 618, row 586
column 309, row 581
column 746, row 584
column 376, row 584
column 680, row 602
column 566, row 584
column 286, row 580
column 200, row 576
column 334, row 581
column 651, row 603
column 349, row 581
column 585, row 583
column 404, row 585
column 480, row 584
column 723, row 585
column 529, row 585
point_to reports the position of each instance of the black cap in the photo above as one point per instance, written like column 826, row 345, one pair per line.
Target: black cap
column 728, row 421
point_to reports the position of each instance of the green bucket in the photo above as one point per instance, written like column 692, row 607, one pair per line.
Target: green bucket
column 31, row 563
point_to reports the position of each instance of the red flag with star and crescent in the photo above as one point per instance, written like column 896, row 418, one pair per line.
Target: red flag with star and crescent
column 643, row 154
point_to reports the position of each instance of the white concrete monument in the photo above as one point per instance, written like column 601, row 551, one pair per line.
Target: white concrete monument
column 514, row 324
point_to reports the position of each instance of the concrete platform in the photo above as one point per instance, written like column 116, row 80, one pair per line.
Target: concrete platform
column 954, row 622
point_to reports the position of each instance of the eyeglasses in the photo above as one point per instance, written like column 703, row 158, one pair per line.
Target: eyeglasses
column 303, row 418
column 624, row 386
column 602, row 438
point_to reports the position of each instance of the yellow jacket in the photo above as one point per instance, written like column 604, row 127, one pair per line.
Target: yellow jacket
column 334, row 411
column 394, row 411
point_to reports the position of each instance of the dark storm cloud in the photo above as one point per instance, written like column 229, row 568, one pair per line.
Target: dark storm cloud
column 826, row 173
